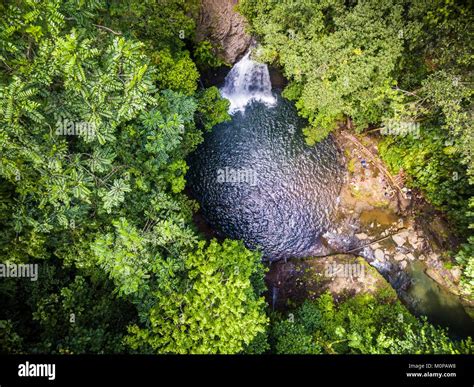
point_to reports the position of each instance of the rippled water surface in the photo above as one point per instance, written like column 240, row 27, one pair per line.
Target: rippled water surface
column 257, row 180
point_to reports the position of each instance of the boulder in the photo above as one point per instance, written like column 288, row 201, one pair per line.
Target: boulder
column 399, row 256
column 379, row 255
column 399, row 239
column 456, row 273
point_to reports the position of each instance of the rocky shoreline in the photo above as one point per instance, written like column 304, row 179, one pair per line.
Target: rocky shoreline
column 378, row 218
column 392, row 215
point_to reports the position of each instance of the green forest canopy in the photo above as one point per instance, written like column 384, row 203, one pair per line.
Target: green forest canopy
column 99, row 107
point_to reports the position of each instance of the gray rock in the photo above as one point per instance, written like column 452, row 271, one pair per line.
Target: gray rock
column 404, row 234
column 456, row 273
column 399, row 239
column 415, row 241
column 399, row 256
column 379, row 255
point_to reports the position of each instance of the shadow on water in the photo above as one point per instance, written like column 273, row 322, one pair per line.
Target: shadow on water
column 426, row 297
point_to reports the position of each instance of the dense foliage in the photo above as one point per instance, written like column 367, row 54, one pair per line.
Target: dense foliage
column 99, row 109
column 100, row 105
column 405, row 65
column 362, row 324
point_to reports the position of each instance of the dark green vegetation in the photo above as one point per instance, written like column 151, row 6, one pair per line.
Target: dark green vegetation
column 405, row 65
column 362, row 324
column 104, row 210
column 100, row 206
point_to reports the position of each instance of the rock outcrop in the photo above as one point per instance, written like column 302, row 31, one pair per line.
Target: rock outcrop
column 224, row 27
column 342, row 275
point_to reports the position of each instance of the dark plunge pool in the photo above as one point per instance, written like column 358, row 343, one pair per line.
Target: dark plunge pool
column 257, row 180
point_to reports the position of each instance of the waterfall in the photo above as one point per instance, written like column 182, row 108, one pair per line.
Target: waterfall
column 274, row 297
column 246, row 82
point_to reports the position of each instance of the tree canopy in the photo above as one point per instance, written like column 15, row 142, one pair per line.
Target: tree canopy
column 100, row 105
column 99, row 108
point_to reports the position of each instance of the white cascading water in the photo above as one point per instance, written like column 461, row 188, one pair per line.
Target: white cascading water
column 248, row 81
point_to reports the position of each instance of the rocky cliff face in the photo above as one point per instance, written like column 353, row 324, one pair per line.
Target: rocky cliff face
column 224, row 27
